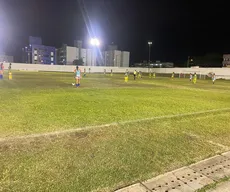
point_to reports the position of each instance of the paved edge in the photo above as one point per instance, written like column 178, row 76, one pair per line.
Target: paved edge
column 141, row 184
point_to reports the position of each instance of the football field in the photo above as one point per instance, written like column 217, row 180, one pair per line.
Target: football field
column 107, row 133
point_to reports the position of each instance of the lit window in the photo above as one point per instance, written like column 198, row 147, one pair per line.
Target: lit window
column 52, row 53
column 52, row 59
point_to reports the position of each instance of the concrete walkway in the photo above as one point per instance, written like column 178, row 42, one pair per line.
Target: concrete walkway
column 190, row 178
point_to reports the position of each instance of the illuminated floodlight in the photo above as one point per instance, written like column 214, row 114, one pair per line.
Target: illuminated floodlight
column 95, row 42
column 150, row 43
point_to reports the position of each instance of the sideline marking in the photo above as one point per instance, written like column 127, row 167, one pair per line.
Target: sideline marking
column 107, row 125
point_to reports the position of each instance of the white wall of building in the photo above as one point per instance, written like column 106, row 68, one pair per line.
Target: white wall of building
column 90, row 57
column 112, row 58
column 125, row 55
column 108, row 57
column 117, row 58
column 84, row 55
column 71, row 55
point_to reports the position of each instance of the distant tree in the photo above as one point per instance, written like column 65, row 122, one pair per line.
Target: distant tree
column 78, row 62
column 213, row 60
column 208, row 60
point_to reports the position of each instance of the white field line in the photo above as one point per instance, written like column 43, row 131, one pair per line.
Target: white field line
column 56, row 133
column 208, row 141
column 218, row 145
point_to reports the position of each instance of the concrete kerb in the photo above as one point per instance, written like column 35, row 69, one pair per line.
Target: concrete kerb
column 189, row 178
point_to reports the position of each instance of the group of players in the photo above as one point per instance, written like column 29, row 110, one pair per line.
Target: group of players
column 77, row 75
column 192, row 77
column 2, row 71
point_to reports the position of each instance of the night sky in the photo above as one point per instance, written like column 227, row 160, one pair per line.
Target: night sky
column 177, row 28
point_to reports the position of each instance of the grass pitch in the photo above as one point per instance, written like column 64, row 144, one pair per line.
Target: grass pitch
column 105, row 158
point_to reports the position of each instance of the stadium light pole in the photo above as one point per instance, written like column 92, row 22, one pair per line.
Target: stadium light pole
column 95, row 42
column 150, row 44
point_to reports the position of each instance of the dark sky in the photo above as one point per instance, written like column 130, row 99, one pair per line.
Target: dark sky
column 178, row 28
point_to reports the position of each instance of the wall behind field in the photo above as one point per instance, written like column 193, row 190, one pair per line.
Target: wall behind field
column 220, row 72
column 70, row 68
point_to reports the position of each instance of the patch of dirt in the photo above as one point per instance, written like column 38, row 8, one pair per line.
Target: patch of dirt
column 30, row 143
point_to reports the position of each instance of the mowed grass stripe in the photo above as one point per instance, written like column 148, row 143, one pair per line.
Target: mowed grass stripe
column 38, row 103
column 50, row 134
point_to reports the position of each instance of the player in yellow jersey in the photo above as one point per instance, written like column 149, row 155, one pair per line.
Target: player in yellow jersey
column 194, row 78
column 173, row 74
column 134, row 74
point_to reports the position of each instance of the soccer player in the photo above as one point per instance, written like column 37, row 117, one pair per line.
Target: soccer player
column 126, row 76
column 173, row 74
column 77, row 73
column 1, row 70
column 111, row 72
column 9, row 68
column 2, row 67
column 104, row 71
column 213, row 78
column 134, row 74
column 154, row 75
column 150, row 73
column 190, row 77
column 84, row 72
column 139, row 75
column 194, row 78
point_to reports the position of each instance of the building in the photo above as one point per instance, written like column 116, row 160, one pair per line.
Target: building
column 113, row 58
column 89, row 58
column 226, row 60
column 125, row 55
column 78, row 44
column 6, row 58
column 67, row 55
column 116, row 58
column 83, row 54
column 37, row 53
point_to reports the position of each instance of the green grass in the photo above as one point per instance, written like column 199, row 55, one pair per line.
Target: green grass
column 214, row 185
column 103, row 159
